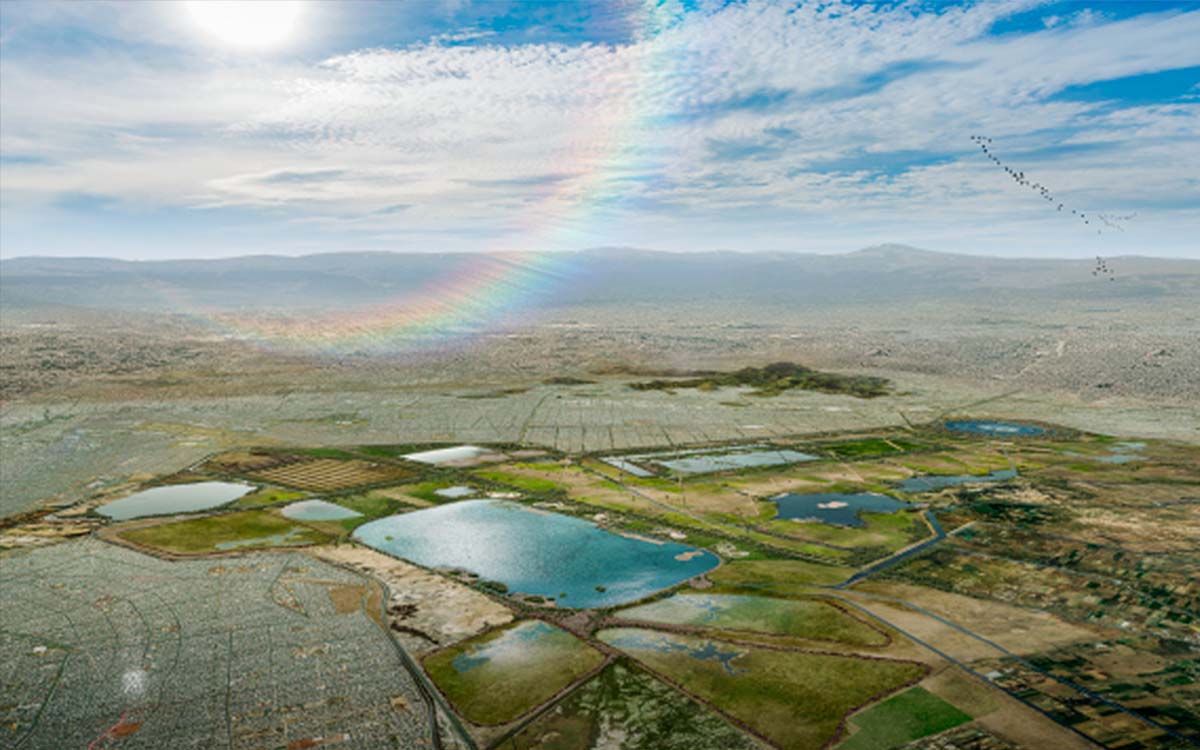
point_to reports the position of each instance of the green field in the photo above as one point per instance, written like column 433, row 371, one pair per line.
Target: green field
column 796, row 699
column 871, row 447
column 228, row 532
column 902, row 718
column 786, row 575
column 500, row 675
column 267, row 496
column 623, row 708
column 532, row 484
column 802, row 618
column 371, row 506
column 889, row 531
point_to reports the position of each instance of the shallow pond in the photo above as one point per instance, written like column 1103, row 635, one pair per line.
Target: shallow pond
column 704, row 650
column 535, row 552
column 928, row 482
column 703, row 464
column 988, row 427
column 513, row 643
column 834, row 508
column 174, row 498
column 318, row 510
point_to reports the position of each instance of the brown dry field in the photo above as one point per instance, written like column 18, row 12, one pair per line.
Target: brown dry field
column 331, row 474
column 1020, row 630
column 443, row 609
column 401, row 493
column 237, row 462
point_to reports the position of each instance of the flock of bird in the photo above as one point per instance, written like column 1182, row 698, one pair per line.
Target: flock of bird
column 1113, row 222
column 1102, row 269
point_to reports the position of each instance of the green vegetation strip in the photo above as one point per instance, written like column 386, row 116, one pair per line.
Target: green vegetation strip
column 794, row 698
column 902, row 718
column 775, row 379
column 498, row 676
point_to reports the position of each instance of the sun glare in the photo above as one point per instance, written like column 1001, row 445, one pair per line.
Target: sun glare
column 249, row 24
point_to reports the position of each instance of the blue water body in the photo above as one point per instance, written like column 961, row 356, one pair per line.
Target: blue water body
column 174, row 498
column 664, row 644
column 514, row 639
column 985, row 427
column 317, row 510
column 808, row 507
column 535, row 552
column 928, row 482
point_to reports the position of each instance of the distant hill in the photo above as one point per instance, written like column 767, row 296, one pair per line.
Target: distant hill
column 599, row 276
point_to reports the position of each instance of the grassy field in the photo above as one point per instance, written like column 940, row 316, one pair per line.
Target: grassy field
column 913, row 714
column 786, row 574
column 889, row 530
column 876, row 446
column 532, row 484
column 267, row 496
column 623, row 708
column 500, row 675
column 801, row 618
column 249, row 529
column 797, row 699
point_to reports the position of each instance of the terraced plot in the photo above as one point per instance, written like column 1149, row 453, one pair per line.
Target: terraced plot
column 802, row 618
column 498, row 676
column 796, row 699
column 330, row 474
column 276, row 650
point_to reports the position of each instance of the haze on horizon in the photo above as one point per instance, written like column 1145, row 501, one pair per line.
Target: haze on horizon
column 176, row 130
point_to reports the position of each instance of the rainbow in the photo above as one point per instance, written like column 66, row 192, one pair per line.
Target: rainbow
column 489, row 286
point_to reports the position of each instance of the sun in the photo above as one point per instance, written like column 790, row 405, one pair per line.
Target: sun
column 247, row 23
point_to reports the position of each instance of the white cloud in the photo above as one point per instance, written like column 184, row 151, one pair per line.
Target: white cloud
column 677, row 138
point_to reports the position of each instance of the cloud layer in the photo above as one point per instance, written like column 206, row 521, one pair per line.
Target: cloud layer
column 745, row 126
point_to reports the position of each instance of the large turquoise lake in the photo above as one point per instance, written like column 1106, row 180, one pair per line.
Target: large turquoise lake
column 535, row 552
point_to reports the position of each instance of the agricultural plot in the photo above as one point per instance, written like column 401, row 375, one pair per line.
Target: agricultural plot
column 331, row 475
column 871, row 447
column 795, row 699
column 501, row 675
column 1159, row 679
column 623, row 708
column 228, row 532
column 106, row 647
column 812, row 619
column 911, row 715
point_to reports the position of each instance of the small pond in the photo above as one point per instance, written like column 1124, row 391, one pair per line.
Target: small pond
column 456, row 493
column 570, row 560
column 834, row 508
column 928, row 482
column 318, row 510
column 703, row 464
column 174, row 498
column 988, row 427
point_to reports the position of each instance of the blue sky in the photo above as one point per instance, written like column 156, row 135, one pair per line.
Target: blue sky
column 137, row 131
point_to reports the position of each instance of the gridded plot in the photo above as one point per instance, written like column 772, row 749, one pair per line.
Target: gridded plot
column 106, row 648
column 330, row 474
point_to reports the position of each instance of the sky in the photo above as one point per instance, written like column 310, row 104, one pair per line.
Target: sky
column 161, row 130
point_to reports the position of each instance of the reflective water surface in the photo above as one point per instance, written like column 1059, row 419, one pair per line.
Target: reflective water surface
column 534, row 552
column 175, row 498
